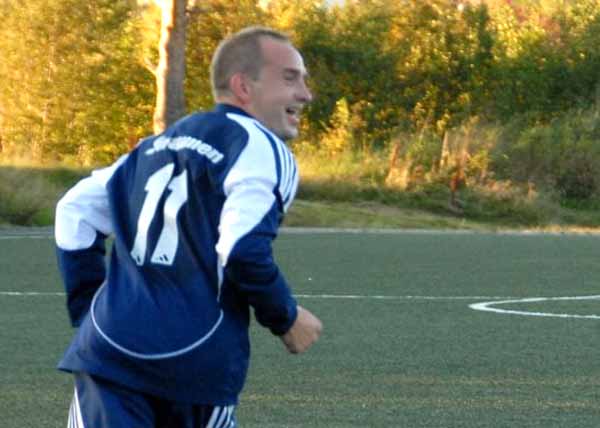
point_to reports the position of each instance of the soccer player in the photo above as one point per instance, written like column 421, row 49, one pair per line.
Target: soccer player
column 162, row 337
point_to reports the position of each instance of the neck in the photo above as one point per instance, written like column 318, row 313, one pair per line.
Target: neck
column 232, row 101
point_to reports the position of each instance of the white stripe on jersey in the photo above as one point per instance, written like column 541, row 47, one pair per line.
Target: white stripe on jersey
column 160, row 356
column 283, row 161
column 288, row 180
column 287, row 201
column 249, row 189
column 288, row 174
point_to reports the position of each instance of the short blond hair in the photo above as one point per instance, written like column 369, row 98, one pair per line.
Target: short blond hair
column 239, row 53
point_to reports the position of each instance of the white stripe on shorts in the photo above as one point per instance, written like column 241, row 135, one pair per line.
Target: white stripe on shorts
column 221, row 417
column 230, row 421
column 213, row 417
column 75, row 418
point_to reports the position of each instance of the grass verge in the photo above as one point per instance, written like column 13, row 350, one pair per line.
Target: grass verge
column 29, row 194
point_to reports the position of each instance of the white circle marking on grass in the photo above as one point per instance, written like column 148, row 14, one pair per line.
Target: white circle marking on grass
column 489, row 307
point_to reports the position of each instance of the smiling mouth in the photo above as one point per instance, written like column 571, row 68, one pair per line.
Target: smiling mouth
column 293, row 111
column 294, row 114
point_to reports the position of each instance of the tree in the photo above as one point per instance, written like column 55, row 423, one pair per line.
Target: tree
column 69, row 83
column 444, row 54
column 170, row 72
column 209, row 22
column 345, row 53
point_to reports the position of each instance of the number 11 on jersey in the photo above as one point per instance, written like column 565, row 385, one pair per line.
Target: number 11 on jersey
column 166, row 246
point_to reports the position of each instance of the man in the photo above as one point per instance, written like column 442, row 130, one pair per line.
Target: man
column 163, row 336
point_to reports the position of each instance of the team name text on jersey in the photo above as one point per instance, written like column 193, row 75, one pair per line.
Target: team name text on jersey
column 180, row 143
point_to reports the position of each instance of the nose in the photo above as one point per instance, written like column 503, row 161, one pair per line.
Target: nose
column 304, row 93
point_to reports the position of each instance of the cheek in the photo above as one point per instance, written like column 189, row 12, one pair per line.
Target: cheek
column 278, row 94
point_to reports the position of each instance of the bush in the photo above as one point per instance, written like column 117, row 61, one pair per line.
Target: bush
column 561, row 155
column 29, row 195
column 578, row 181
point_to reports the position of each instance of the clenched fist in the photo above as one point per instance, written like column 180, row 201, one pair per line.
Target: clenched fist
column 304, row 332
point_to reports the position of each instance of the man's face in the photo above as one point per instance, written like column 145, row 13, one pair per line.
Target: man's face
column 280, row 92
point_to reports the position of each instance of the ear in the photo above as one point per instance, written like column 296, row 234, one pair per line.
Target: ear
column 240, row 87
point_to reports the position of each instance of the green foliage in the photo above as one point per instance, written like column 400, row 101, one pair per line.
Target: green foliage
column 345, row 53
column 562, row 155
column 338, row 138
column 444, row 55
column 207, row 26
column 68, row 83
column 546, row 57
column 497, row 91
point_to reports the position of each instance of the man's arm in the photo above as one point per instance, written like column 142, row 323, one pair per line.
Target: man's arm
column 81, row 226
column 249, row 263
column 248, row 224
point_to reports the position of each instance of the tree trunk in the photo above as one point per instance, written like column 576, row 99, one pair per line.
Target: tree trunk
column 170, row 73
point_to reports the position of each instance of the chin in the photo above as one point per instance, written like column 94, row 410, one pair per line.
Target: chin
column 285, row 134
column 289, row 134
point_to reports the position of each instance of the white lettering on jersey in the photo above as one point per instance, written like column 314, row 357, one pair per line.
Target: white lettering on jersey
column 180, row 143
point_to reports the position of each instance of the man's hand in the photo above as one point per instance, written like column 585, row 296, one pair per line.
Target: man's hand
column 304, row 332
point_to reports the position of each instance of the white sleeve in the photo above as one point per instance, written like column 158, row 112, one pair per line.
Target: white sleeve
column 84, row 210
column 249, row 190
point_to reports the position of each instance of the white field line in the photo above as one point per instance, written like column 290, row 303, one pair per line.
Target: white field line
column 48, row 232
column 29, row 293
column 303, row 296
column 26, row 236
column 26, row 233
column 390, row 231
column 384, row 297
column 484, row 306
column 488, row 307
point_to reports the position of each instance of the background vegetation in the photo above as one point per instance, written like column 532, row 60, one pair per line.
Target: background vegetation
column 484, row 110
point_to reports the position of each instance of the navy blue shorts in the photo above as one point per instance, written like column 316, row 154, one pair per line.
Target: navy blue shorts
column 98, row 403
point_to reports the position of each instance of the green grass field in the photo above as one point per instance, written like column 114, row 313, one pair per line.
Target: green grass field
column 401, row 347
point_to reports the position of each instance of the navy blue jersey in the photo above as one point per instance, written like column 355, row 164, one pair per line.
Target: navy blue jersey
column 193, row 213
